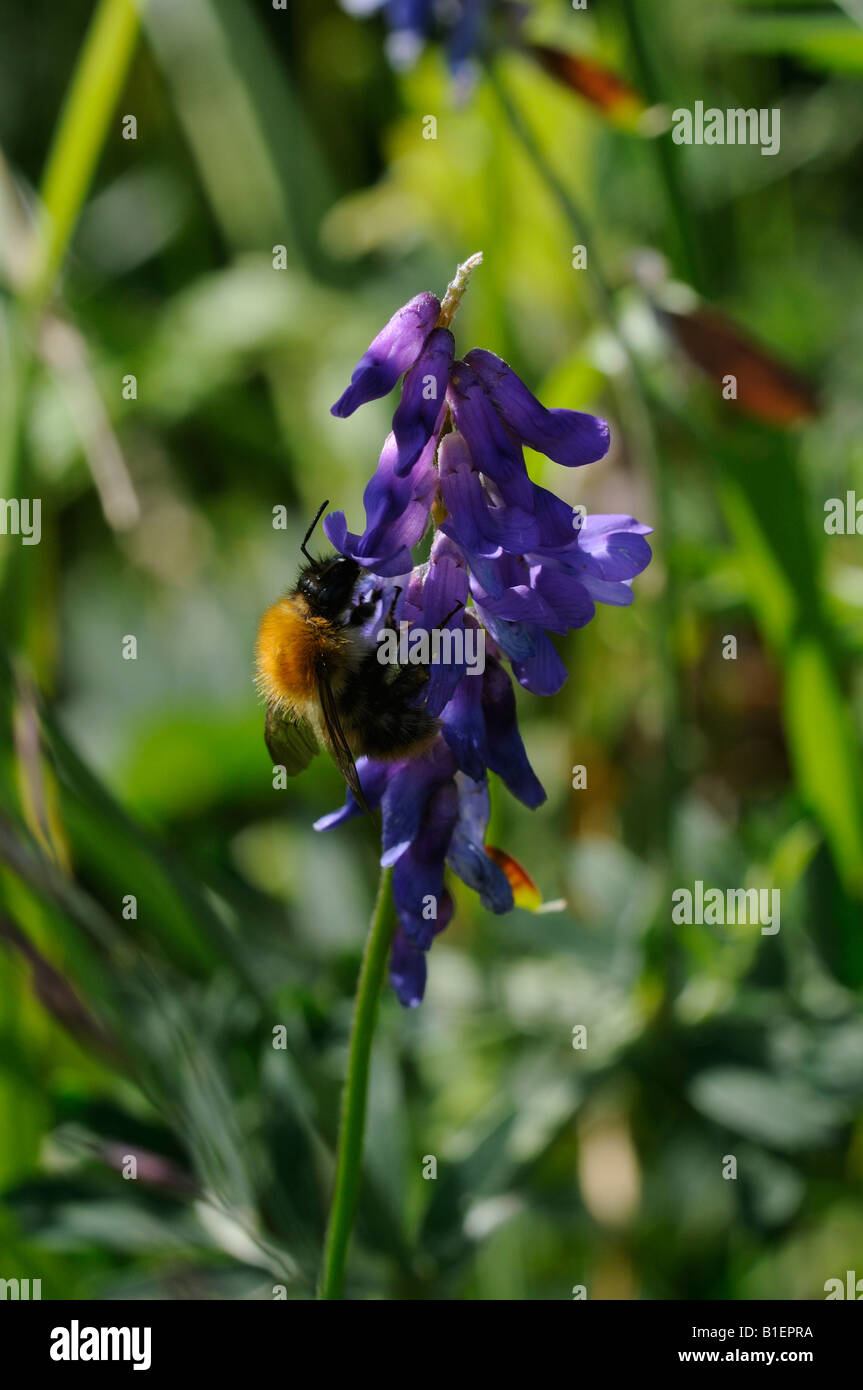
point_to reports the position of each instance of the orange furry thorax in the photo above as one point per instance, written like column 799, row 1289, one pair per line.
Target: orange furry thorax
column 291, row 641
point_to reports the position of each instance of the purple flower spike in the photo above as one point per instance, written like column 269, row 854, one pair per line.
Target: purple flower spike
column 421, row 410
column 510, row 549
column 569, row 437
column 390, row 354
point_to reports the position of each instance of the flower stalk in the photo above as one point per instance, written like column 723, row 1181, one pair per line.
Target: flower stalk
column 349, row 1153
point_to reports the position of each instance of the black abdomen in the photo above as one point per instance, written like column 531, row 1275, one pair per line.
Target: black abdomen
column 380, row 702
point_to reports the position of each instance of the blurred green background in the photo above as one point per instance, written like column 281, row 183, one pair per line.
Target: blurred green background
column 152, row 1035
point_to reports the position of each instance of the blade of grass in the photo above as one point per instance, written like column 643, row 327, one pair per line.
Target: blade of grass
column 100, row 73
column 258, row 159
column 79, row 137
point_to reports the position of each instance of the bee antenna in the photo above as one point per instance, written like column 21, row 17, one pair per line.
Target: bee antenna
column 318, row 514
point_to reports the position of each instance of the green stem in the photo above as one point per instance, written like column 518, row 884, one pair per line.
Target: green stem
column 682, row 220
column 353, row 1121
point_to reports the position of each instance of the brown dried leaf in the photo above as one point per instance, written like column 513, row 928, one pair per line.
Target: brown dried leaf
column 604, row 89
column 767, row 389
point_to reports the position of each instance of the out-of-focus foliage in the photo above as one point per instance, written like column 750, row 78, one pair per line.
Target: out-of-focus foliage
column 152, row 1035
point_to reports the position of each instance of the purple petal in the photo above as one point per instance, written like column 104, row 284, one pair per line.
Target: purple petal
column 615, row 545
column 536, row 594
column 516, row 639
column 407, row 970
column 493, row 449
column 566, row 596
column 397, row 513
column 506, row 752
column 420, row 412
column 392, row 352
column 407, row 792
column 610, row 523
column 446, row 582
column 418, row 883
column 464, row 727
column 570, row 437
column 408, row 962
column 463, row 38
column 467, row 856
column 520, row 605
column 544, row 672
column 409, row 22
column 614, row 591
column 373, row 780
column 481, row 529
column 557, row 522
column 445, row 588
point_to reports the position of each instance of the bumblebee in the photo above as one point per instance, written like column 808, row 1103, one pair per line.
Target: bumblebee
column 323, row 684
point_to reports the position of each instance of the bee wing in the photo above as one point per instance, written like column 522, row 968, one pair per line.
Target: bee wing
column 291, row 742
column 339, row 746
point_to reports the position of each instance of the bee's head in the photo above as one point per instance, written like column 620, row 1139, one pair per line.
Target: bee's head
column 327, row 585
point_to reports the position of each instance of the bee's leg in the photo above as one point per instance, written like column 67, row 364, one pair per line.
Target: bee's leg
column 396, row 596
column 361, row 614
column 397, row 591
column 364, row 611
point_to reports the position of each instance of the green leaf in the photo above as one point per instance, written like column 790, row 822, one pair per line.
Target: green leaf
column 827, row 41
column 778, row 1111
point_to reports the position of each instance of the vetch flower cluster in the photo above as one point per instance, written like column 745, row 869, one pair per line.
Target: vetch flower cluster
column 528, row 563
